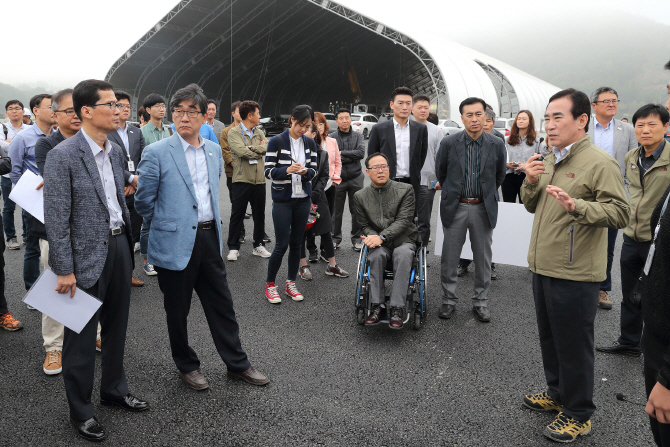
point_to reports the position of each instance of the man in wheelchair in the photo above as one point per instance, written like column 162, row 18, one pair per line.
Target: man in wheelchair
column 385, row 211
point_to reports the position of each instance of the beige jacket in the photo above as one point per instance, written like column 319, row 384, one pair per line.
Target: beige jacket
column 574, row 245
column 645, row 196
column 246, row 151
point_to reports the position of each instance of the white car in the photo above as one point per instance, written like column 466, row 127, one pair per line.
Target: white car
column 363, row 122
column 504, row 125
column 449, row 127
column 332, row 124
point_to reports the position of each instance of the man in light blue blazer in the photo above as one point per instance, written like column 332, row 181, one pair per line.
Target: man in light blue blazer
column 178, row 195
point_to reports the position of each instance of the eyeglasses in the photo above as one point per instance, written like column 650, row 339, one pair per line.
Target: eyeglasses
column 378, row 168
column 123, row 106
column 111, row 105
column 68, row 112
column 159, row 107
column 15, row 109
column 609, row 101
column 180, row 113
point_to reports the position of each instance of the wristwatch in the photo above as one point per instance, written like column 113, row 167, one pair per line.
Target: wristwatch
column 381, row 236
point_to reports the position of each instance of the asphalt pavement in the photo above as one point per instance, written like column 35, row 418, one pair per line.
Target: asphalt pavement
column 452, row 383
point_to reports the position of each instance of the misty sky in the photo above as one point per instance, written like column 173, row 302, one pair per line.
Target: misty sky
column 88, row 36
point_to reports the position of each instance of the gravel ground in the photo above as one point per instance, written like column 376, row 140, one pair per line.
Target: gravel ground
column 453, row 383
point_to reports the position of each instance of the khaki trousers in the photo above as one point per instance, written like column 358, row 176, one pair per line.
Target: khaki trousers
column 52, row 330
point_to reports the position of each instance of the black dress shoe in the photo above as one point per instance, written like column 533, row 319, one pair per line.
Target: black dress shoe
column 617, row 348
column 90, row 429
column 128, row 403
column 251, row 376
column 446, row 311
column 266, row 238
column 395, row 322
column 374, row 317
column 481, row 313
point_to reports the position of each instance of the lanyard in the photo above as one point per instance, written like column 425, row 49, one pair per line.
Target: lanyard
column 652, row 249
column 160, row 132
column 244, row 136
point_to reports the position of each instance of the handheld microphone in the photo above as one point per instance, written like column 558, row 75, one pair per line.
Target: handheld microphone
column 621, row 397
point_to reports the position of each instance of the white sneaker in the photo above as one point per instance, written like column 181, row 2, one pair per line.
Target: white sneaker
column 261, row 251
column 233, row 254
column 137, row 247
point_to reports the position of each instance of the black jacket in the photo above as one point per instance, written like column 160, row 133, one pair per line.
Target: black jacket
column 382, row 139
column 655, row 302
column 42, row 148
column 352, row 151
column 135, row 141
column 324, row 223
column 450, row 170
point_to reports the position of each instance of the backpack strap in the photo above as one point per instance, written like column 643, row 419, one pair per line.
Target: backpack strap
column 170, row 130
column 5, row 130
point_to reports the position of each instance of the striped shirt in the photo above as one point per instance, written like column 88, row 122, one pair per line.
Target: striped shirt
column 472, row 188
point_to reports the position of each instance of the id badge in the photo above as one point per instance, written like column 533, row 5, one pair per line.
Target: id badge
column 131, row 165
column 297, row 188
column 650, row 257
column 253, row 162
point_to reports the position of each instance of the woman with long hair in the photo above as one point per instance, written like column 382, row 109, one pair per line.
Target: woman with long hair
column 334, row 170
column 290, row 163
column 521, row 144
column 323, row 224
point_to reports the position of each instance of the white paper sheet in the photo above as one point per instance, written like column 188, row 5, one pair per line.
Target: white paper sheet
column 74, row 312
column 27, row 197
column 511, row 236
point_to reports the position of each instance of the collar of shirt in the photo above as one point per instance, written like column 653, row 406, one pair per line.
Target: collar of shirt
column 185, row 145
column 124, row 131
column 609, row 125
column 249, row 132
column 657, row 152
column 94, row 146
column 397, row 125
column 469, row 139
column 561, row 153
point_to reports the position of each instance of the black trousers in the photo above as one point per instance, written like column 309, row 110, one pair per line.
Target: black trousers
column 612, row 234
column 229, row 184
column 346, row 189
column 633, row 256
column 566, row 311
column 113, row 288
column 135, row 218
column 206, row 273
column 3, row 300
column 652, row 366
column 244, row 193
column 310, row 242
column 330, row 197
column 511, row 187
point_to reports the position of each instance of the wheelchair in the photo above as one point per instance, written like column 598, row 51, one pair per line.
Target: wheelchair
column 415, row 301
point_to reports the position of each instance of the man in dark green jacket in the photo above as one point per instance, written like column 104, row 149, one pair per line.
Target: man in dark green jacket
column 385, row 212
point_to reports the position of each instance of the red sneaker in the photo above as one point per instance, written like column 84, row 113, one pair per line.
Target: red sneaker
column 293, row 292
column 271, row 293
column 9, row 323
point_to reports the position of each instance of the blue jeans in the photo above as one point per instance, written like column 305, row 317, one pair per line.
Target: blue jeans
column 31, row 257
column 290, row 219
column 144, row 239
column 8, row 208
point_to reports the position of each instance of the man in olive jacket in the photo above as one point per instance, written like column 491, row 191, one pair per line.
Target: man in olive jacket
column 385, row 212
column 576, row 193
column 247, row 147
column 648, row 177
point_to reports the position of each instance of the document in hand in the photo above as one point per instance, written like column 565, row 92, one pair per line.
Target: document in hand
column 74, row 312
column 27, row 197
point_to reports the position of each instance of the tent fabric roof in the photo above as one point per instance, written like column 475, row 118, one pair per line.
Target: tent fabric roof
column 284, row 53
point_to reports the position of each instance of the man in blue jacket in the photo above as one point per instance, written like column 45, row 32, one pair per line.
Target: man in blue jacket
column 178, row 194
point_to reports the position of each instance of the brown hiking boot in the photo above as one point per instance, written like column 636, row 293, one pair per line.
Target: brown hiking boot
column 9, row 323
column 604, row 301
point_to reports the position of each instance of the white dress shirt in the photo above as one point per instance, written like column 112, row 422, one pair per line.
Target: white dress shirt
column 298, row 155
column 107, row 178
column 401, row 149
column 197, row 167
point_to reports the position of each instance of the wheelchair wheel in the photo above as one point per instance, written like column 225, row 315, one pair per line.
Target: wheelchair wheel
column 360, row 316
column 417, row 320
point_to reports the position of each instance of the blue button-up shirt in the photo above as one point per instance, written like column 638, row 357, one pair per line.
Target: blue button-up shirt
column 197, row 166
column 561, row 153
column 22, row 152
column 123, row 133
column 603, row 137
column 247, row 132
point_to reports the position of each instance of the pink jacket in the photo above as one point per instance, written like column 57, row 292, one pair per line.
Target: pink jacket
column 334, row 160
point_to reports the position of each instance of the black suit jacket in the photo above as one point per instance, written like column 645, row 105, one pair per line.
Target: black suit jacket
column 135, row 141
column 450, row 170
column 382, row 139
